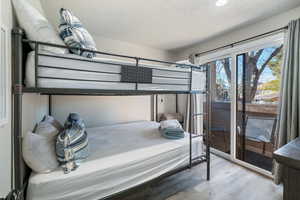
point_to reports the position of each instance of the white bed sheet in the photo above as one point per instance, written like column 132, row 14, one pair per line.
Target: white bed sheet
column 122, row 156
column 96, row 73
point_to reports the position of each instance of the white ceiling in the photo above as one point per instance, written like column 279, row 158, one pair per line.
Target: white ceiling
column 166, row 24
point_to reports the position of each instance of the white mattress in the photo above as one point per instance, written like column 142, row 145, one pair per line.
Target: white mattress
column 97, row 68
column 122, row 156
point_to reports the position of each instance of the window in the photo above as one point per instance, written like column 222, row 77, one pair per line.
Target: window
column 245, row 89
column 221, row 103
column 258, row 83
column 221, row 79
column 4, row 76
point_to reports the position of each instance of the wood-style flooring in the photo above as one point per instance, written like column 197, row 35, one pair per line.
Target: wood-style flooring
column 228, row 182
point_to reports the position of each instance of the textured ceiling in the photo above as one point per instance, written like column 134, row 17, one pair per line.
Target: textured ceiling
column 166, row 24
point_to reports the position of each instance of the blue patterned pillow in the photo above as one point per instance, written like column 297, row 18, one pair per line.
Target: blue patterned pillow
column 72, row 143
column 74, row 35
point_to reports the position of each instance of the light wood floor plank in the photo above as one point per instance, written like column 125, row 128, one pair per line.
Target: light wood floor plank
column 230, row 182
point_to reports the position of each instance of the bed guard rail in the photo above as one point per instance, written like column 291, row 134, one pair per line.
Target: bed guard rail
column 136, row 74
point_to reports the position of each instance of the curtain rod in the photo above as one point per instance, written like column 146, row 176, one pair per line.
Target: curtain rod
column 241, row 41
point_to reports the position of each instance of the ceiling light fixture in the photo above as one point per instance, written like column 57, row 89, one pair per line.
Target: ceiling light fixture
column 221, row 2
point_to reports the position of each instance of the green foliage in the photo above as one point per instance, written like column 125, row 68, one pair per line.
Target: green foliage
column 275, row 64
column 273, row 85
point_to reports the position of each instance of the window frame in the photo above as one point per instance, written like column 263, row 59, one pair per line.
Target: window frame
column 253, row 45
column 4, row 48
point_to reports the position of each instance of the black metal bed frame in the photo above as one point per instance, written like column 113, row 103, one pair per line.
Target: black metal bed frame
column 18, row 41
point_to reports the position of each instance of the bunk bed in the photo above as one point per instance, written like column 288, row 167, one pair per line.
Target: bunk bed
column 53, row 74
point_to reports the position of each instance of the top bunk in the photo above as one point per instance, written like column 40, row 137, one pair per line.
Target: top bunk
column 38, row 71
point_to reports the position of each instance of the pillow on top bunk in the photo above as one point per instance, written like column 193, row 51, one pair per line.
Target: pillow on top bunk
column 74, row 35
column 39, row 146
column 36, row 26
column 37, row 5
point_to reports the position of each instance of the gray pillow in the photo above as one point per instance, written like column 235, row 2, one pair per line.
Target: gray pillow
column 48, row 127
column 75, row 35
column 39, row 147
column 39, row 153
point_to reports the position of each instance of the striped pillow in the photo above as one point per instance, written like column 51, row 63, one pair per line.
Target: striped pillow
column 72, row 144
column 74, row 35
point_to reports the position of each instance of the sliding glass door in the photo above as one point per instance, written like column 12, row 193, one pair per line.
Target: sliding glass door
column 258, row 82
column 245, row 84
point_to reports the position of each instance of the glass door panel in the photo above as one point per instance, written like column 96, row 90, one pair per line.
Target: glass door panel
column 258, row 81
column 221, row 104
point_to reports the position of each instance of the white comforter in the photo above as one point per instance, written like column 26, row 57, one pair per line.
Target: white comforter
column 122, row 156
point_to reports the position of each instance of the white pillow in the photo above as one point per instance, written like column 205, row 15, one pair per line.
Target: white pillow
column 36, row 26
column 48, row 127
column 54, row 122
column 47, row 130
column 39, row 153
column 37, row 5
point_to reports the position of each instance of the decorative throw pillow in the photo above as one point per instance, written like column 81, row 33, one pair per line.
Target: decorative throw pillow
column 39, row 153
column 39, row 147
column 37, row 5
column 72, row 143
column 36, row 26
column 74, row 35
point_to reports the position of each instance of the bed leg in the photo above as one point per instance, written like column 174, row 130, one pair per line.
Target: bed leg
column 190, row 129
column 50, row 105
column 18, row 173
column 208, row 131
column 208, row 164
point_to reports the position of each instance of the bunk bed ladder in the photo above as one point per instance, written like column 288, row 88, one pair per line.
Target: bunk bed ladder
column 206, row 132
column 208, row 118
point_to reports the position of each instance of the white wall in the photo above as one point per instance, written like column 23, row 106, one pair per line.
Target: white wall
column 108, row 110
column 34, row 107
column 5, row 131
column 97, row 111
column 263, row 26
column 131, row 49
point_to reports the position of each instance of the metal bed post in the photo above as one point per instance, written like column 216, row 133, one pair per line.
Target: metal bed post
column 208, row 111
column 190, row 128
column 191, row 118
column 176, row 102
column 17, row 110
column 156, row 108
column 137, row 65
column 50, row 104
column 36, row 63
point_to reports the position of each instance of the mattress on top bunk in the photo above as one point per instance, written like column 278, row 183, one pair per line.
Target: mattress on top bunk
column 102, row 73
column 121, row 156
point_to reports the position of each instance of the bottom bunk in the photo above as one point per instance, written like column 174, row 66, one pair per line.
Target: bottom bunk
column 122, row 156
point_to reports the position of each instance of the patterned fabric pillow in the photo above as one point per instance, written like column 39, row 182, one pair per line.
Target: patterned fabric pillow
column 74, row 35
column 72, row 143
